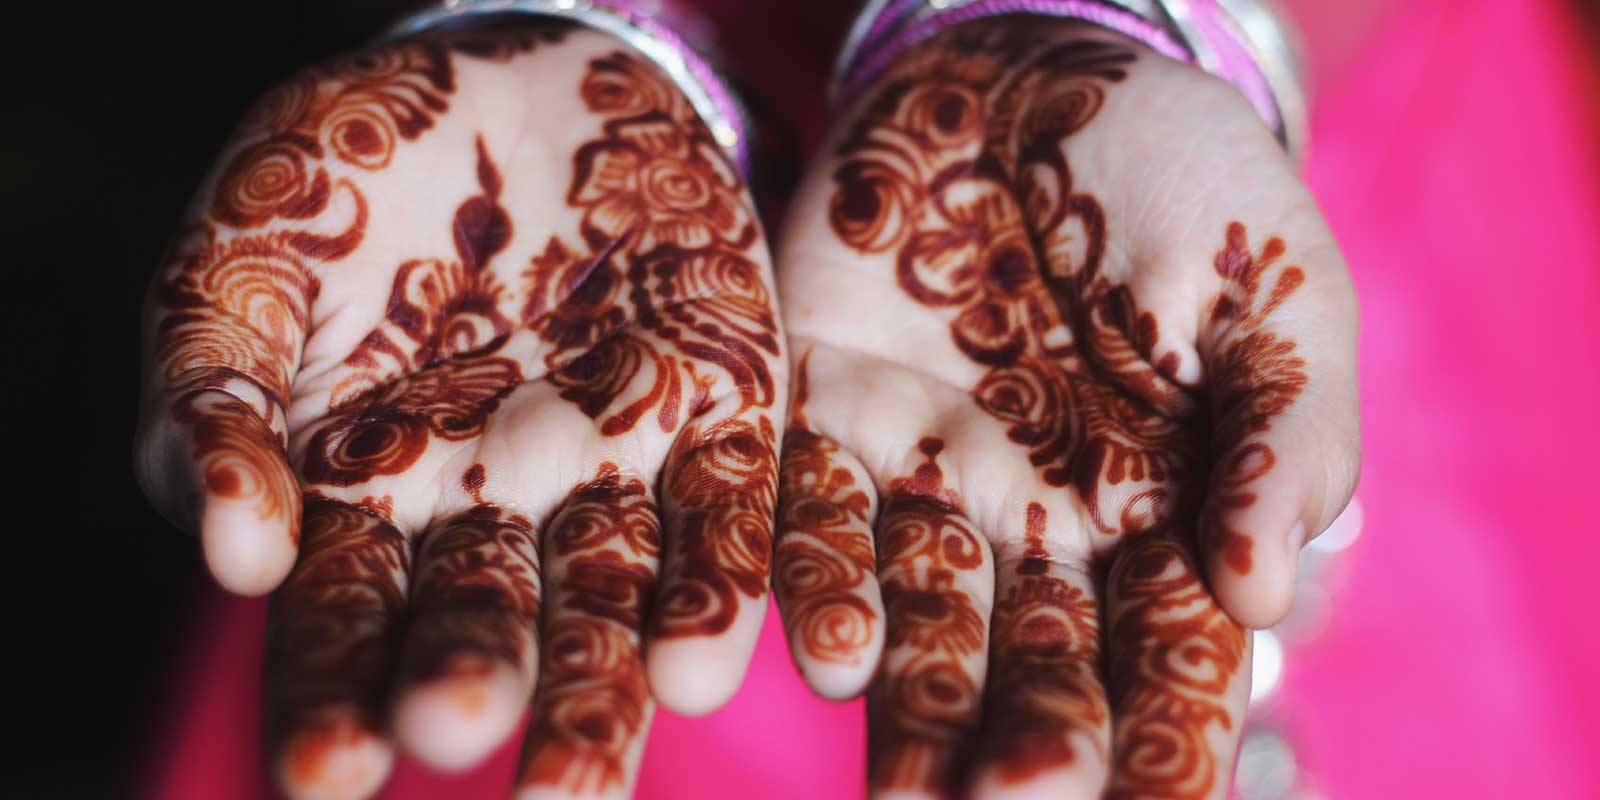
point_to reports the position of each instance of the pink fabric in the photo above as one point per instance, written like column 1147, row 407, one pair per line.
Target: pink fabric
column 1457, row 162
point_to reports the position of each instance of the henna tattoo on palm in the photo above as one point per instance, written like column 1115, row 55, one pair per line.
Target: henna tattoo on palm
column 655, row 319
column 956, row 173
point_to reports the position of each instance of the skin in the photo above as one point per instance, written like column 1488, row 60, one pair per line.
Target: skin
column 1074, row 382
column 468, row 350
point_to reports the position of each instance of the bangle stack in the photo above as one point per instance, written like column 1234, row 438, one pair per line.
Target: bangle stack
column 657, row 30
column 1241, row 41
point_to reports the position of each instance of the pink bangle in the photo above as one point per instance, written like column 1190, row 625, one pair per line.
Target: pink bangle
column 1200, row 32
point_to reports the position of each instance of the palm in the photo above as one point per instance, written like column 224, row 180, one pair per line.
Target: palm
column 1050, row 377
column 479, row 335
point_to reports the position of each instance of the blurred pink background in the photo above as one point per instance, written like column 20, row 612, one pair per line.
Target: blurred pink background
column 1455, row 153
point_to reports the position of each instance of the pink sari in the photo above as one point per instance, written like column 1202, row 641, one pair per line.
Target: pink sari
column 1457, row 161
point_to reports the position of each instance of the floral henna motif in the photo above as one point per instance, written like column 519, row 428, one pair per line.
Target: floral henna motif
column 1044, row 678
column 925, row 705
column 656, row 177
column 593, row 701
column 476, row 597
column 1257, row 376
column 1174, row 655
column 667, row 236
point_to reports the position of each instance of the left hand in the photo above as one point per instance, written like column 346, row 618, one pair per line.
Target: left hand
column 1074, row 381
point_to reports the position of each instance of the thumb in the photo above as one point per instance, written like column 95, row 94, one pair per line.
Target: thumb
column 1278, row 344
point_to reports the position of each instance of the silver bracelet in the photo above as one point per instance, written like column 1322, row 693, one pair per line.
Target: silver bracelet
column 710, row 96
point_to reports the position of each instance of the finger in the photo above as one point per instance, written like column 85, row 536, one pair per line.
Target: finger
column 824, row 572
column 330, row 648
column 471, row 648
column 213, row 465
column 1278, row 343
column 718, row 495
column 593, row 708
column 229, row 314
column 1046, row 728
column 1179, row 674
column 937, row 590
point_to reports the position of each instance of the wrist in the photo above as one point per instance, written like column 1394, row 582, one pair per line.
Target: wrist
column 1239, row 41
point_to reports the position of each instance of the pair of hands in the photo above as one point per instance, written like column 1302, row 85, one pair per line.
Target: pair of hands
column 472, row 351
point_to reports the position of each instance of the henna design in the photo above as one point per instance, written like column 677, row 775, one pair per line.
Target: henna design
column 593, row 701
column 386, row 432
column 333, row 632
column 1174, row 654
column 667, row 231
column 957, row 170
column 476, row 598
column 926, row 706
column 439, row 309
column 721, row 488
column 824, row 553
column 1044, row 682
column 239, row 457
column 232, row 306
column 1257, row 376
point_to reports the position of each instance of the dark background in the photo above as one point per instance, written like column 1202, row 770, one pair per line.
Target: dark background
column 110, row 116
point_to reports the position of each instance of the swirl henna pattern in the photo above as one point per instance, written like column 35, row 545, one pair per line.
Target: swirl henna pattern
column 924, row 709
column 231, row 309
column 1175, row 654
column 957, row 171
column 824, row 555
column 475, row 596
column 592, row 702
